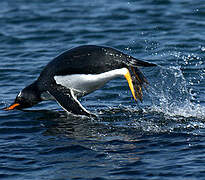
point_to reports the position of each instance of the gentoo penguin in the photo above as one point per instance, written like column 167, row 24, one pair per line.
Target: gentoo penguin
column 78, row 72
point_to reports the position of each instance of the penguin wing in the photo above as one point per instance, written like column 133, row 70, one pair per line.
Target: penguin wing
column 67, row 100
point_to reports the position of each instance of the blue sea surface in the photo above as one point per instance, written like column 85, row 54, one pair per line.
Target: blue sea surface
column 161, row 138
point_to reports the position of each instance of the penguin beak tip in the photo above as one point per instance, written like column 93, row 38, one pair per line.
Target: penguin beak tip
column 11, row 107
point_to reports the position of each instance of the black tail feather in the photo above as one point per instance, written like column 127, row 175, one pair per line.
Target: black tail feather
column 139, row 81
column 136, row 62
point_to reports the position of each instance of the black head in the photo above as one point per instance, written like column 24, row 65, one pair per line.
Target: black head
column 28, row 97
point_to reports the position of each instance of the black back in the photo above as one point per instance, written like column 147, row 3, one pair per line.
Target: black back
column 87, row 59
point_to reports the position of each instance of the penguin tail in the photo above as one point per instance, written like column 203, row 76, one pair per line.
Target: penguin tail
column 138, row 82
column 136, row 79
column 131, row 61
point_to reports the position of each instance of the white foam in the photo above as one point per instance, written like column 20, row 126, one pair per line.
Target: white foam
column 170, row 95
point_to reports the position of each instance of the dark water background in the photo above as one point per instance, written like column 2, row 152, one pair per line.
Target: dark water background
column 162, row 138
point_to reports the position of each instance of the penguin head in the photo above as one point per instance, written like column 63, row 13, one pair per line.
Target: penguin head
column 28, row 97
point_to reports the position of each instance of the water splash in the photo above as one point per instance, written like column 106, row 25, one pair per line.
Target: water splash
column 171, row 94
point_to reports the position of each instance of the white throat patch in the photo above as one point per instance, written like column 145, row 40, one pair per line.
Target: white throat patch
column 20, row 94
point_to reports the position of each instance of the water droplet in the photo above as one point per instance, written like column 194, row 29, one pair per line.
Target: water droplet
column 203, row 48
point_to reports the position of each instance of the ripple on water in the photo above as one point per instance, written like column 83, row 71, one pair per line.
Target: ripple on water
column 161, row 138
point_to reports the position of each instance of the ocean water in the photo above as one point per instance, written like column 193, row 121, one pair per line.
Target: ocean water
column 161, row 138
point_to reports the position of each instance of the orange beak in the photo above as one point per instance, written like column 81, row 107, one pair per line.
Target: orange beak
column 11, row 107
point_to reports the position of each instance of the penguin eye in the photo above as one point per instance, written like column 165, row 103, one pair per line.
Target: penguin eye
column 19, row 99
column 23, row 102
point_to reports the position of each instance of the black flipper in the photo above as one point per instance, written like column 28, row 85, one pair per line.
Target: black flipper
column 67, row 100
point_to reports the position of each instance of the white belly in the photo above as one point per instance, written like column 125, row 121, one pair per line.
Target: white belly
column 83, row 84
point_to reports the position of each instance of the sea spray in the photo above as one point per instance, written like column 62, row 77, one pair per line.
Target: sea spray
column 169, row 94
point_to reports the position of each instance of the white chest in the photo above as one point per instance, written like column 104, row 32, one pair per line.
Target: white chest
column 83, row 84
